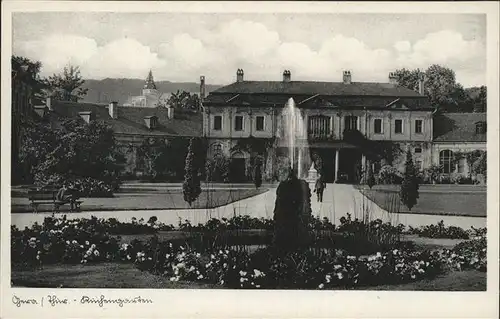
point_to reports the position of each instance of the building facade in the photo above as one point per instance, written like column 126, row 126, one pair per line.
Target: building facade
column 22, row 87
column 458, row 134
column 344, row 126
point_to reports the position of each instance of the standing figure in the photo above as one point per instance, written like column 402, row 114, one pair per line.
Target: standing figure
column 319, row 187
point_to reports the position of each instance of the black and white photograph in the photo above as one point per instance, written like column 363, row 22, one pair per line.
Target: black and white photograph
column 235, row 151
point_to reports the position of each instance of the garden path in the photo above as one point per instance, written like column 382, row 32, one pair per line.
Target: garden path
column 338, row 200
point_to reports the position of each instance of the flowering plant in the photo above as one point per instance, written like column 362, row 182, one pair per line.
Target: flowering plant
column 441, row 231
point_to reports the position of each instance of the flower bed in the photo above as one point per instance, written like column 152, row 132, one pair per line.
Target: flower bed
column 91, row 240
column 441, row 231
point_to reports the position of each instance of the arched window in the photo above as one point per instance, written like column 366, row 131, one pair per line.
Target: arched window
column 216, row 149
column 446, row 161
column 481, row 128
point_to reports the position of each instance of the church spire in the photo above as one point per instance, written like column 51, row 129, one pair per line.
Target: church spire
column 150, row 83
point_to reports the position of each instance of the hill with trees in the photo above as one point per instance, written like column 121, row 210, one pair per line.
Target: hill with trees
column 119, row 90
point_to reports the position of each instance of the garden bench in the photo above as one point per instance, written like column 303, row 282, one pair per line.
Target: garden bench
column 48, row 196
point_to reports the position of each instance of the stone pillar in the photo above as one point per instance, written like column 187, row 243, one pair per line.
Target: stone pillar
column 337, row 151
column 299, row 162
column 363, row 167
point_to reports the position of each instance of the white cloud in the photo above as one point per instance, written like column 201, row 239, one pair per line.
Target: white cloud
column 402, row 46
column 217, row 53
column 119, row 58
column 443, row 47
column 122, row 58
column 58, row 50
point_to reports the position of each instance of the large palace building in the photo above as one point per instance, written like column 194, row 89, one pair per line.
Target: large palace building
column 347, row 125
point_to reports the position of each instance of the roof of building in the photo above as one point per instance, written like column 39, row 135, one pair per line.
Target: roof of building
column 322, row 88
column 458, row 127
column 130, row 120
column 315, row 94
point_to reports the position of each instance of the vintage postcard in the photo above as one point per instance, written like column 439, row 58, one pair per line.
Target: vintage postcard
column 249, row 159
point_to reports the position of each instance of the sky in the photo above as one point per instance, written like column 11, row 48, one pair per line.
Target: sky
column 183, row 46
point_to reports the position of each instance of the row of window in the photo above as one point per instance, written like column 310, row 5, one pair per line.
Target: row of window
column 350, row 123
column 239, row 124
column 378, row 127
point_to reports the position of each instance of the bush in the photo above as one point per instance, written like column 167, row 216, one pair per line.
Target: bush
column 409, row 185
column 83, row 241
column 441, row 231
column 458, row 178
column 471, row 254
column 479, row 165
column 90, row 187
column 370, row 178
column 61, row 241
column 257, row 174
column 266, row 268
column 444, row 179
column 389, row 175
column 191, row 187
column 75, row 151
column 431, row 174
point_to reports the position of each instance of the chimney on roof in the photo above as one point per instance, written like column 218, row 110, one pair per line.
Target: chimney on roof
column 113, row 110
column 202, row 87
column 421, row 87
column 239, row 75
column 170, row 112
column 287, row 76
column 393, row 78
column 347, row 77
column 48, row 103
column 85, row 115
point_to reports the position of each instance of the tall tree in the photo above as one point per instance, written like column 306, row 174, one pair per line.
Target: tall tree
column 74, row 151
column 257, row 173
column 153, row 151
column 440, row 86
column 66, row 86
column 477, row 98
column 32, row 69
column 370, row 178
column 409, row 186
column 409, row 78
column 191, row 186
column 184, row 100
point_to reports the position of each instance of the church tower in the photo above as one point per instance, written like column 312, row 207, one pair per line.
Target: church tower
column 150, row 86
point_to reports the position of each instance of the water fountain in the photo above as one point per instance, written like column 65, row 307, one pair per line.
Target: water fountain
column 291, row 134
column 292, row 210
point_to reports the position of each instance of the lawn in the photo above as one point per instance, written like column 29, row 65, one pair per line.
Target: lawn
column 125, row 275
column 102, row 275
column 433, row 199
column 168, row 199
column 470, row 280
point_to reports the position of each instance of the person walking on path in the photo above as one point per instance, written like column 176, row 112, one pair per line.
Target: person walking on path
column 319, row 187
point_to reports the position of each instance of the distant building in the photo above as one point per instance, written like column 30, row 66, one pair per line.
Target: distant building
column 150, row 96
column 131, row 125
column 457, row 133
column 22, row 87
column 344, row 122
